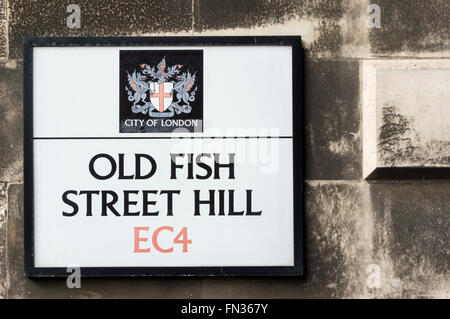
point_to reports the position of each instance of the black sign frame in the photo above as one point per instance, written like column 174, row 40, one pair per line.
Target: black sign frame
column 298, row 163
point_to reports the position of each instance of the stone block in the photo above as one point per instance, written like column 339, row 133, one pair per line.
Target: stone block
column 406, row 119
column 11, row 124
column 3, row 29
column 412, row 27
column 411, row 237
column 339, row 232
column 328, row 28
column 332, row 120
column 98, row 18
column 3, row 211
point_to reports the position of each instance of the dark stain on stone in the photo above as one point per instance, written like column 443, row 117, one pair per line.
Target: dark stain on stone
column 98, row 18
column 3, row 212
column 411, row 25
column 394, row 145
column 330, row 39
column 15, row 241
column 337, row 238
column 11, row 124
column 211, row 14
column 229, row 14
column 243, row 14
column 3, row 28
column 132, row 17
column 399, row 143
column 413, row 227
column 332, row 120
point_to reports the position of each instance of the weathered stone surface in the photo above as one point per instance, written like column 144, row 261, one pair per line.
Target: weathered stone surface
column 11, row 127
column 3, row 30
column 327, row 28
column 3, row 204
column 339, row 238
column 14, row 240
column 406, row 114
column 412, row 26
column 354, row 228
column 240, row 14
column 412, row 238
column 332, row 117
column 415, row 126
column 400, row 228
column 98, row 18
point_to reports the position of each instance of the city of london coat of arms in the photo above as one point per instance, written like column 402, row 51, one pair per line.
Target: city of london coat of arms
column 161, row 91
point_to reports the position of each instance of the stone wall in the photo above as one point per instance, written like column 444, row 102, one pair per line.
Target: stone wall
column 395, row 229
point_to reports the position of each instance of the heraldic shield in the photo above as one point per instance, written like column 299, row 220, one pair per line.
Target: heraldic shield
column 161, row 96
column 160, row 91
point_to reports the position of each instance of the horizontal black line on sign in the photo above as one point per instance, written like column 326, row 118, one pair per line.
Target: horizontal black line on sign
column 156, row 137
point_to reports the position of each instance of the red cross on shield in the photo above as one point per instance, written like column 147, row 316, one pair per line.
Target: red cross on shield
column 161, row 96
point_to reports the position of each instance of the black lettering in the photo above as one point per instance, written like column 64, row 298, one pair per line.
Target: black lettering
column 203, row 165
column 231, row 211
column 249, row 205
column 72, row 204
column 190, row 166
column 109, row 204
column 221, row 202
column 127, row 203
column 218, row 165
column 174, row 165
column 138, row 166
column 122, row 168
column 199, row 202
column 147, row 202
column 170, row 200
column 110, row 159
column 89, row 200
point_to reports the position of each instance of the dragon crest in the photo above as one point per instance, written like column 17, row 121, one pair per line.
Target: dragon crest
column 147, row 86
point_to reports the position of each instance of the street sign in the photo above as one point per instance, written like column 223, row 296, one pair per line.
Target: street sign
column 163, row 156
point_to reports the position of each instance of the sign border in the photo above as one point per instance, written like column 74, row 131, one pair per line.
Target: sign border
column 298, row 163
